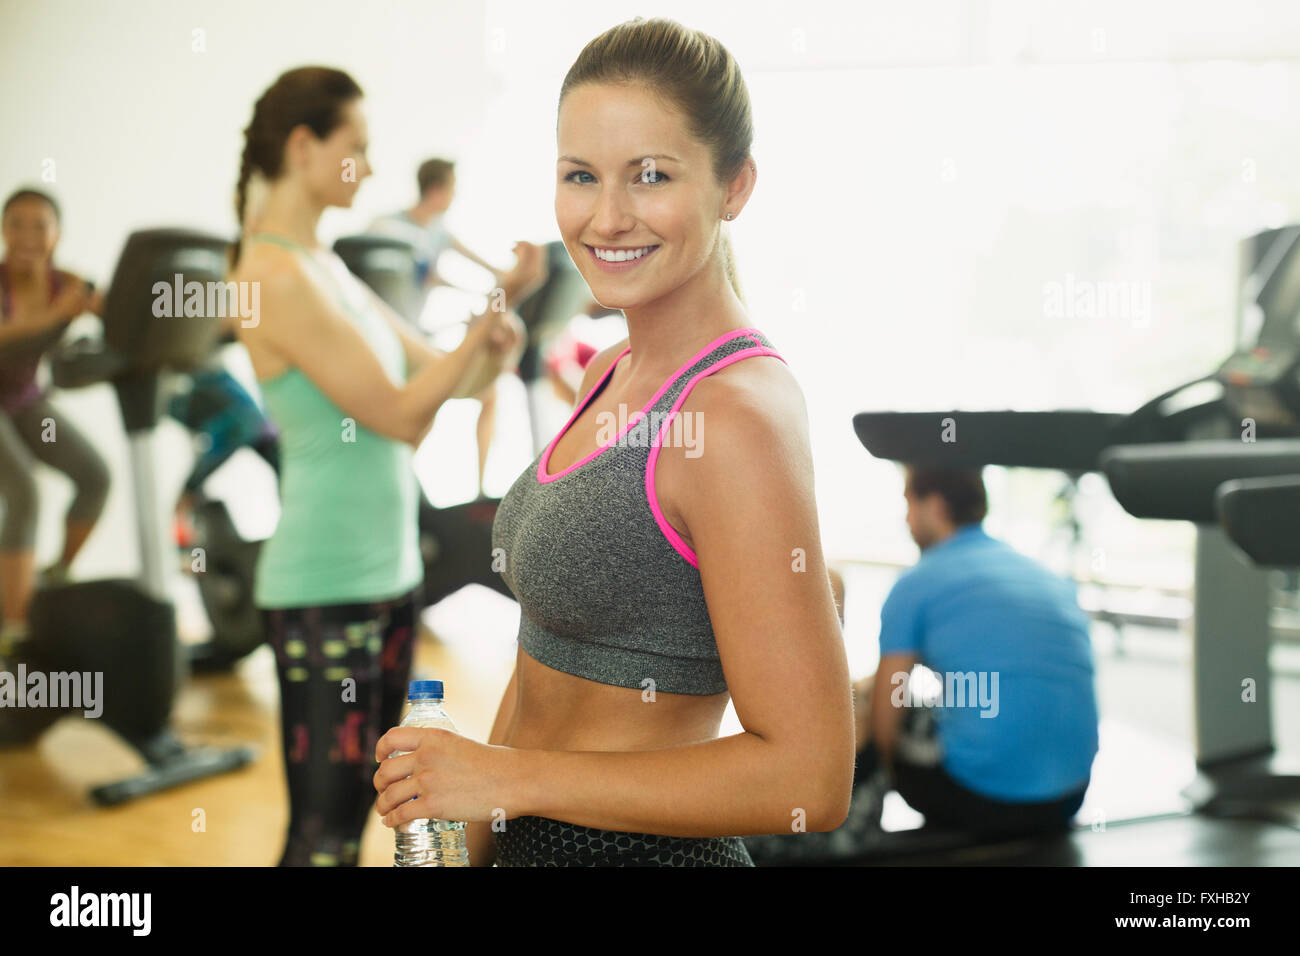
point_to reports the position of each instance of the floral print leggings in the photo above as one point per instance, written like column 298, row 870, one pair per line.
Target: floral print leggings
column 343, row 673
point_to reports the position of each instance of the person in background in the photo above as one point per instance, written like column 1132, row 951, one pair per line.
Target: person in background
column 224, row 418
column 423, row 226
column 1018, row 757
column 1006, row 748
column 37, row 301
column 353, row 392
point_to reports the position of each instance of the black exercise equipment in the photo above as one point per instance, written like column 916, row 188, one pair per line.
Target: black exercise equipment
column 226, row 587
column 457, row 546
column 126, row 629
column 1177, row 481
column 1262, row 517
column 390, row 267
column 1169, row 459
column 1239, row 774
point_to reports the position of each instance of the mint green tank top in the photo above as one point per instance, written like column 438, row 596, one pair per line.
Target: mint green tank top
column 348, row 529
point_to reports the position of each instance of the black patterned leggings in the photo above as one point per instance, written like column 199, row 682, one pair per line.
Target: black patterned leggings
column 343, row 673
column 541, row 841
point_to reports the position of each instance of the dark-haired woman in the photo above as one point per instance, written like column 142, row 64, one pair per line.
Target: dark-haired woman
column 669, row 568
column 352, row 392
column 37, row 301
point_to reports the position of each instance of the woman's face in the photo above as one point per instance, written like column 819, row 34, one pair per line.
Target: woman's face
column 31, row 231
column 630, row 177
column 334, row 167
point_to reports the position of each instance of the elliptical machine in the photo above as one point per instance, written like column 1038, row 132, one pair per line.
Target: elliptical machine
column 126, row 628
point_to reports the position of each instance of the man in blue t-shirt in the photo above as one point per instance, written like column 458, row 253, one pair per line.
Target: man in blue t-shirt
column 1012, row 702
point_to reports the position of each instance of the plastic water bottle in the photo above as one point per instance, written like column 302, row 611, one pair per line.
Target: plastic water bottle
column 427, row 842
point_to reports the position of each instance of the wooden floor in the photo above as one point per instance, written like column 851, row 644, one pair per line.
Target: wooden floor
column 48, row 819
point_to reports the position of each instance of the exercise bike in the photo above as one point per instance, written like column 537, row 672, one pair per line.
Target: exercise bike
column 125, row 629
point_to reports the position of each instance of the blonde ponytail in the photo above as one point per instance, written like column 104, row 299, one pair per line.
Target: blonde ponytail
column 729, row 262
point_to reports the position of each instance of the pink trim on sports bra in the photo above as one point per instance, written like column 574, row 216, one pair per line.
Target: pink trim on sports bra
column 679, row 545
column 542, row 462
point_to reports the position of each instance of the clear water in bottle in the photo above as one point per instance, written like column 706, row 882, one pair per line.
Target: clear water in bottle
column 427, row 842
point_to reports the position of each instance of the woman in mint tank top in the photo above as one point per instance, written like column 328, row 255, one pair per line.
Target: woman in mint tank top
column 661, row 569
column 352, row 394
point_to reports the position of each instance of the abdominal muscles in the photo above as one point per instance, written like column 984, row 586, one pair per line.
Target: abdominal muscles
column 558, row 711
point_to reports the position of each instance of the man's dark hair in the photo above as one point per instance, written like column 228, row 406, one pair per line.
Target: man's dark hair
column 433, row 172
column 28, row 193
column 962, row 490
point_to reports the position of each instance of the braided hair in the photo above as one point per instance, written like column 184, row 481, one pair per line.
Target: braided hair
column 311, row 96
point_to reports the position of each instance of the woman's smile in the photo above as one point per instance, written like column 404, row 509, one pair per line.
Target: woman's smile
column 619, row 258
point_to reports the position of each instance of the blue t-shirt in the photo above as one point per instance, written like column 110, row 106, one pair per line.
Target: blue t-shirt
column 1010, row 644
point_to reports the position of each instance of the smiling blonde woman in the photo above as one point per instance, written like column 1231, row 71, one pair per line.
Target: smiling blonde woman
column 656, row 581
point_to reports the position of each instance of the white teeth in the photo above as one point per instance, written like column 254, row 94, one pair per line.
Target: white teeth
column 620, row 255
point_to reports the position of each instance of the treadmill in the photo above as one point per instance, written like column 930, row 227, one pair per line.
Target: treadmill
column 1230, row 463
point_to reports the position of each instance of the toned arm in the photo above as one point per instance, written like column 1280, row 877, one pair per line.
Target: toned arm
column 303, row 327
column 478, row 836
column 752, row 518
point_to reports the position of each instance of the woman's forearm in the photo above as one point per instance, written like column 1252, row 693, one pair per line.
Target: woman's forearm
column 478, row 836
column 481, row 372
column 434, row 382
column 734, row 786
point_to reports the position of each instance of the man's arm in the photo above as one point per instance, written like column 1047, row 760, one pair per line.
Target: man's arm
column 456, row 244
column 901, row 634
column 886, row 702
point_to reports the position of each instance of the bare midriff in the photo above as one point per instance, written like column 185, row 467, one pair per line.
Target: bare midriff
column 558, row 711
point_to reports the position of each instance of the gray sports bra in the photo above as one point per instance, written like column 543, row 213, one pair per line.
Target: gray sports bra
column 607, row 589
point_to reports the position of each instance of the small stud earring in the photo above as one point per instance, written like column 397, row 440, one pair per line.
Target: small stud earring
column 729, row 216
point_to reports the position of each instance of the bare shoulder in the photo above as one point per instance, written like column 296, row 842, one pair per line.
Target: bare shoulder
column 754, row 398
column 287, row 300
column 288, row 294
column 275, row 267
column 749, row 447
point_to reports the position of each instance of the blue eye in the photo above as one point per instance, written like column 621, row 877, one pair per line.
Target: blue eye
column 660, row 177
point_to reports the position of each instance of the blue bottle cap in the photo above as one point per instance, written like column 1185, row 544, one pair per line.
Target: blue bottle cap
column 424, row 690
